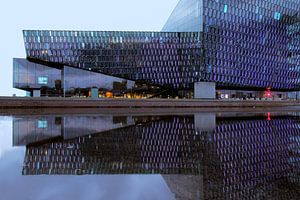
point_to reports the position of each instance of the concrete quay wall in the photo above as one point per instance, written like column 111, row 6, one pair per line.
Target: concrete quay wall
column 44, row 102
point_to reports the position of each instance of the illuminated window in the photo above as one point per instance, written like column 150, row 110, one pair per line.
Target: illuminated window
column 225, row 8
column 42, row 124
column 277, row 15
column 43, row 80
column 257, row 10
column 209, row 68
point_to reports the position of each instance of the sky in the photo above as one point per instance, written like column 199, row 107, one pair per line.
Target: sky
column 97, row 15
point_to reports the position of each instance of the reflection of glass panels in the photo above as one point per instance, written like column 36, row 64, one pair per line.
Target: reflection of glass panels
column 75, row 126
column 179, row 135
column 77, row 78
column 29, row 130
column 27, row 74
column 237, row 154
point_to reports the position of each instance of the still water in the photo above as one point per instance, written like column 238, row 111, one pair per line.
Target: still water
column 170, row 156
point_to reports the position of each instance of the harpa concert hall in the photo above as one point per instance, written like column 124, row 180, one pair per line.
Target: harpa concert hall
column 207, row 49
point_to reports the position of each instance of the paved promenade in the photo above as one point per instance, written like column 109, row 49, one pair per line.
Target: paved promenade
column 44, row 102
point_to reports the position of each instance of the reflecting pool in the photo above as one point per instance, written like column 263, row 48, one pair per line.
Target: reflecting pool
column 202, row 155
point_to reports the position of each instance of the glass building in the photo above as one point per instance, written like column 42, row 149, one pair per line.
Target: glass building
column 234, row 49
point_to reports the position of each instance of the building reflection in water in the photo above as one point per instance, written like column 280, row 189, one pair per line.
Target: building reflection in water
column 200, row 156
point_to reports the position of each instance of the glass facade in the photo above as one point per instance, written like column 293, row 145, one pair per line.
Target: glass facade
column 77, row 78
column 248, row 45
column 187, row 16
column 161, row 58
column 71, row 81
column 30, row 75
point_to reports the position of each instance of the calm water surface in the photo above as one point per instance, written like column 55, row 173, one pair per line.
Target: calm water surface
column 175, row 156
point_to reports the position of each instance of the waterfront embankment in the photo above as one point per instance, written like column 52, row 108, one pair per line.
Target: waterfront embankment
column 44, row 102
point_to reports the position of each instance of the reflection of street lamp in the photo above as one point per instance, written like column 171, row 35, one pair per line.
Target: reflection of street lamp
column 269, row 116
